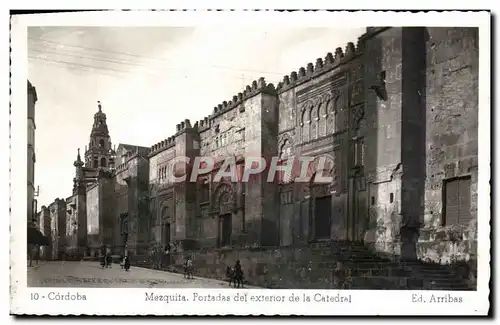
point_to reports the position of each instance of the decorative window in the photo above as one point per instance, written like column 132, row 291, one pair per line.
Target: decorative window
column 359, row 152
column 305, row 123
column 285, row 149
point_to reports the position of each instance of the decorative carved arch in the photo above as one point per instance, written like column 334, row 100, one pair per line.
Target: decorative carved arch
column 328, row 169
column 357, row 115
column 318, row 102
column 288, row 136
column 322, row 189
column 336, row 104
column 306, row 111
column 224, row 195
column 325, row 97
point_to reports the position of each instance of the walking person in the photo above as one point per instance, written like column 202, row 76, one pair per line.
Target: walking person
column 122, row 261
column 168, row 249
column 188, row 267
column 126, row 261
column 230, row 275
column 159, row 257
column 109, row 258
column 102, row 261
column 151, row 254
column 102, row 258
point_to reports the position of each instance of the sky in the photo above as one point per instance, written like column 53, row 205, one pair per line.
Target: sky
column 149, row 79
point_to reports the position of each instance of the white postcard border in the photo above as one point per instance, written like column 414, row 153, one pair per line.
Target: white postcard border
column 132, row 301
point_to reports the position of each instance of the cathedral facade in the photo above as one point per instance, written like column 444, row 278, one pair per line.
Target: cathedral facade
column 398, row 114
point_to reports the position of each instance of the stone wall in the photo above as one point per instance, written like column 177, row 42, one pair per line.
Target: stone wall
column 71, row 224
column 125, row 196
column 451, row 139
column 32, row 99
column 161, row 204
column 45, row 229
column 382, row 133
column 302, row 267
column 58, row 227
column 423, row 132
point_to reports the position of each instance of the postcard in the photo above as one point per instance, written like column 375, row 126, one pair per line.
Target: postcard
column 250, row 163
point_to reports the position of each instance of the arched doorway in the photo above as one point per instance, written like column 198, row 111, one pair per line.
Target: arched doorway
column 166, row 226
column 321, row 187
column 223, row 207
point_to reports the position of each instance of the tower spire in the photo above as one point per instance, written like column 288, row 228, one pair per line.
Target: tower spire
column 78, row 162
column 99, row 147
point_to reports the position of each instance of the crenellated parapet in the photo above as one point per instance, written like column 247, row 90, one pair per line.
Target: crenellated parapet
column 312, row 70
column 59, row 201
column 256, row 87
column 163, row 145
column 204, row 124
column 304, row 74
column 183, row 126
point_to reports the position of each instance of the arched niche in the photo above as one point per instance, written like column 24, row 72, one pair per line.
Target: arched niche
column 224, row 199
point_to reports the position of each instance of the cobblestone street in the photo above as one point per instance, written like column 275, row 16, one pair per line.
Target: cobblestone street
column 90, row 274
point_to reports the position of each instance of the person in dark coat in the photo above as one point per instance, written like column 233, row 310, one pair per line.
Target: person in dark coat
column 109, row 259
column 188, row 268
column 230, row 275
column 102, row 258
column 126, row 262
column 238, row 274
column 102, row 261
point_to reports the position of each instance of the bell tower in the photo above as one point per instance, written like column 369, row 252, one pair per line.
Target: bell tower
column 99, row 153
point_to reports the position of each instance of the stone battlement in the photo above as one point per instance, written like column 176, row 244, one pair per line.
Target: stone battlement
column 257, row 86
column 311, row 71
column 330, row 62
column 162, row 145
column 184, row 125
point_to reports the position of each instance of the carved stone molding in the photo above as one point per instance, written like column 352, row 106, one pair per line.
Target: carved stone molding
column 357, row 113
column 286, row 136
column 224, row 195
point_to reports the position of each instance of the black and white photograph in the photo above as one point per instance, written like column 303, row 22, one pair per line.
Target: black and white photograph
column 202, row 162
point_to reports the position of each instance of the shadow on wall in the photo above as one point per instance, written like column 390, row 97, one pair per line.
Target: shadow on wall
column 396, row 138
column 413, row 137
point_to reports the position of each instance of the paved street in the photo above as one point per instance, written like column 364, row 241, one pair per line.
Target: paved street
column 90, row 274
